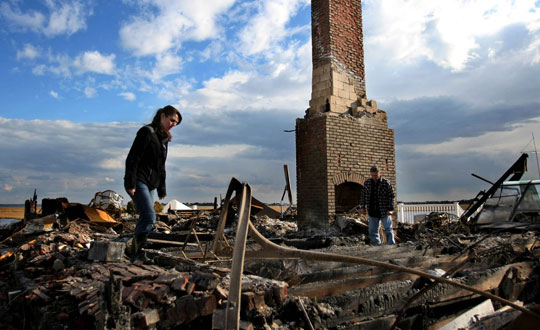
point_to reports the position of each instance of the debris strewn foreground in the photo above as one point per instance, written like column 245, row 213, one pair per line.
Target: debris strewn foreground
column 71, row 273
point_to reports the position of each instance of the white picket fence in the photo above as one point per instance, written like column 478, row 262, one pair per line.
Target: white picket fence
column 407, row 213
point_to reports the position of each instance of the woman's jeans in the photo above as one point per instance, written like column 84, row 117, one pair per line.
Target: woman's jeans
column 144, row 202
column 374, row 224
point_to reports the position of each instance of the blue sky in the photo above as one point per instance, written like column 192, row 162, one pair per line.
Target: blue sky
column 459, row 80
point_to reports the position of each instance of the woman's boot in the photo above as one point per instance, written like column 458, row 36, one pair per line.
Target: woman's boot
column 139, row 242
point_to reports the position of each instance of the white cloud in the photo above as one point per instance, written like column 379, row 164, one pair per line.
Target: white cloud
column 281, row 81
column 534, row 50
column 114, row 161
column 175, row 90
column 54, row 94
column 146, row 37
column 203, row 16
column 39, row 70
column 64, row 17
column 166, row 64
column 89, row 61
column 32, row 20
column 128, row 96
column 213, row 51
column 491, row 143
column 215, row 151
column 446, row 32
column 173, row 23
column 284, row 82
column 259, row 64
column 28, row 52
column 7, row 187
column 219, row 92
column 93, row 61
column 67, row 169
column 267, row 27
column 60, row 65
column 90, row 92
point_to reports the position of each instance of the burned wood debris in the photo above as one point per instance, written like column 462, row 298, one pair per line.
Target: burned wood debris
column 66, row 269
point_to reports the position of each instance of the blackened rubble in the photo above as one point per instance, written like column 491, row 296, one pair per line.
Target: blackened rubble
column 73, row 274
column 49, row 281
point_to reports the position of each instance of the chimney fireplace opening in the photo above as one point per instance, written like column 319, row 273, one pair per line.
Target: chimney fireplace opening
column 348, row 195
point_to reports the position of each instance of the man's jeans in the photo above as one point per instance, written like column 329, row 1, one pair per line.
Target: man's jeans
column 144, row 202
column 374, row 224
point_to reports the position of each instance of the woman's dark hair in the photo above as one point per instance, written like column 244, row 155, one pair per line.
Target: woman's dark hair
column 167, row 110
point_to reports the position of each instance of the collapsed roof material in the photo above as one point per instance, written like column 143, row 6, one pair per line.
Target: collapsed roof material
column 54, row 266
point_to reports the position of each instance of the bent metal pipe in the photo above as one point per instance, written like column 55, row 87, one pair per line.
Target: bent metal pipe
column 271, row 250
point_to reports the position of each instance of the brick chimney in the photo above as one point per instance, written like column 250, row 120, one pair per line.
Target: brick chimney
column 343, row 133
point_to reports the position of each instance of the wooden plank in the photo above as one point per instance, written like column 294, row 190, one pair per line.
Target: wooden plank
column 485, row 281
column 488, row 280
column 359, row 322
column 330, row 288
column 354, row 271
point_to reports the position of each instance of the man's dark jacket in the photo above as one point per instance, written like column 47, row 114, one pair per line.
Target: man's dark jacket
column 146, row 161
column 385, row 194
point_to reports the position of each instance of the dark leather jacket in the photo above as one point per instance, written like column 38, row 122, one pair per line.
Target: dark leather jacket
column 145, row 161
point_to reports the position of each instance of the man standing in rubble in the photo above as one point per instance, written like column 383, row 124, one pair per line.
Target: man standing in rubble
column 145, row 173
column 378, row 199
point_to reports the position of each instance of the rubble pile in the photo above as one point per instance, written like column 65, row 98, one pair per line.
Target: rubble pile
column 339, row 295
column 69, row 271
column 73, row 277
column 370, row 297
column 271, row 228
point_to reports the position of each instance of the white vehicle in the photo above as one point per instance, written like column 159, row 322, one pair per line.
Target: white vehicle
column 513, row 201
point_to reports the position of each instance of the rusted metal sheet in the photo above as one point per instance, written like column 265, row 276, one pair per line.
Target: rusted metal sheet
column 99, row 216
column 76, row 210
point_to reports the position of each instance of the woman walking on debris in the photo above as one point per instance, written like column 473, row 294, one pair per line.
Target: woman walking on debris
column 145, row 172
